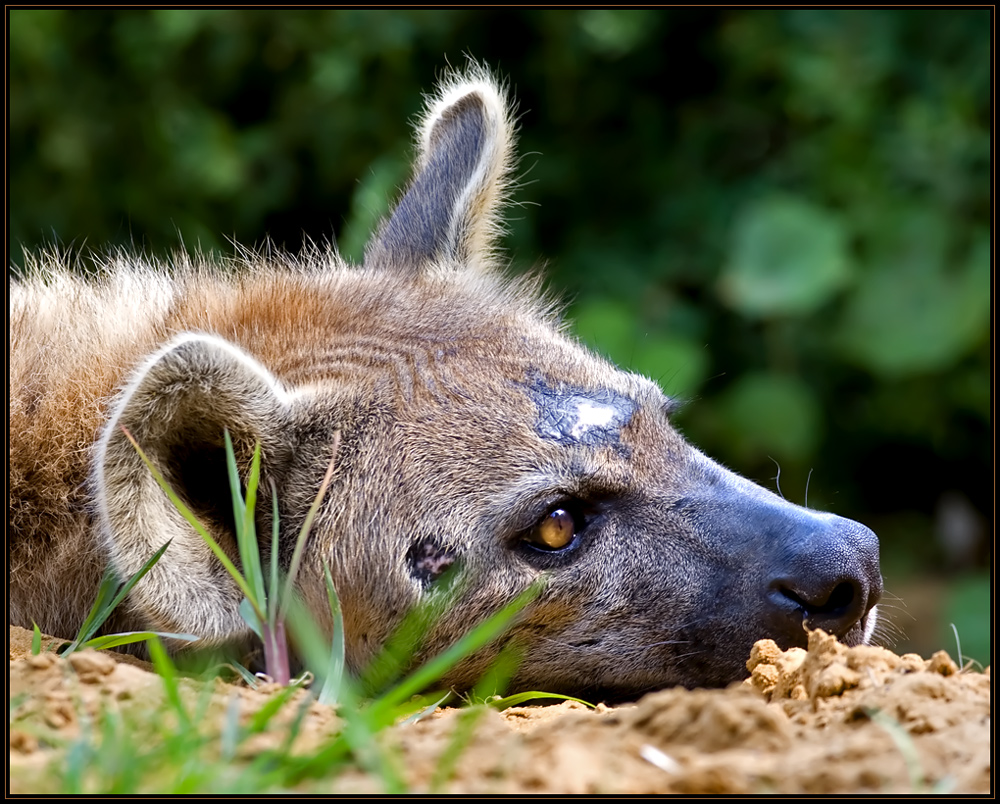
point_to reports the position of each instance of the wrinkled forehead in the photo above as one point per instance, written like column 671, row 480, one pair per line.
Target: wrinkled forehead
column 514, row 366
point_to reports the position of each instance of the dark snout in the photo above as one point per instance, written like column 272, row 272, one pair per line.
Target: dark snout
column 794, row 566
column 823, row 573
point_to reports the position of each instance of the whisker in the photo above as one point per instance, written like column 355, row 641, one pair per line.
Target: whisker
column 777, row 478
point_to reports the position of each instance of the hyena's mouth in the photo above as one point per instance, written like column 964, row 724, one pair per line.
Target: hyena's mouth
column 866, row 627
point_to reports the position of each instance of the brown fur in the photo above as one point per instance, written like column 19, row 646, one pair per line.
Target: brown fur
column 446, row 383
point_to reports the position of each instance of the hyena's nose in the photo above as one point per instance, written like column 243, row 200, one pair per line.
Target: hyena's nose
column 827, row 576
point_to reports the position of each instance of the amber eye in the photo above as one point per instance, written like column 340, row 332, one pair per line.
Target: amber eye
column 555, row 531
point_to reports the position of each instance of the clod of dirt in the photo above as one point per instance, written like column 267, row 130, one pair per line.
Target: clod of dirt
column 91, row 666
column 829, row 668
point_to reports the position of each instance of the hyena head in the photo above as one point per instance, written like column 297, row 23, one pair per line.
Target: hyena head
column 477, row 441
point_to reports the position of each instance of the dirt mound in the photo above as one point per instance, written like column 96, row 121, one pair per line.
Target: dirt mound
column 828, row 719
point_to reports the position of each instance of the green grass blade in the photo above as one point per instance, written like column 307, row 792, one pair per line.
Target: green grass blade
column 79, row 758
column 107, row 601
column 246, row 531
column 98, row 612
column 524, row 697
column 131, row 582
column 314, row 648
column 115, row 640
column 958, row 644
column 248, row 678
column 334, row 671
column 250, row 528
column 36, row 639
column 103, row 606
column 460, row 739
column 904, row 744
column 272, row 588
column 194, row 523
column 166, row 670
column 430, row 709
column 396, row 655
column 493, row 684
column 360, row 735
column 357, row 738
column 15, row 703
column 300, row 542
column 478, row 637
column 296, row 725
column 249, row 615
column 262, row 717
column 232, row 734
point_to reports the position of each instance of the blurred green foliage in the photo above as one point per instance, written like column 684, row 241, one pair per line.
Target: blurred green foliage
column 782, row 215
column 970, row 610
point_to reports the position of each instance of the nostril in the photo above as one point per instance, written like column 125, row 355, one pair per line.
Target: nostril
column 836, row 603
column 825, row 574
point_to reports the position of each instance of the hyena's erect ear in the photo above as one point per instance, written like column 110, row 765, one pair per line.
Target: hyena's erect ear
column 450, row 215
column 177, row 407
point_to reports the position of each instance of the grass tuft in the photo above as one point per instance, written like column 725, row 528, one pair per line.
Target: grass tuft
column 109, row 595
column 265, row 606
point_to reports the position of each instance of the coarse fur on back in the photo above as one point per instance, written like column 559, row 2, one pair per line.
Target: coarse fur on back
column 474, row 436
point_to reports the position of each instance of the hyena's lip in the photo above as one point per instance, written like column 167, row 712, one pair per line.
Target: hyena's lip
column 863, row 632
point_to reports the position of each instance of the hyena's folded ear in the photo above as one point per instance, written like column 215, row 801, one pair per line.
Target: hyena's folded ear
column 177, row 408
column 450, row 215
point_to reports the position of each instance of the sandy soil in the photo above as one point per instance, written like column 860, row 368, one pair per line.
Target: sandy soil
column 827, row 720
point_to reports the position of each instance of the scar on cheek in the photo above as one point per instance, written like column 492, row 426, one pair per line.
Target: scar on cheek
column 429, row 559
column 576, row 416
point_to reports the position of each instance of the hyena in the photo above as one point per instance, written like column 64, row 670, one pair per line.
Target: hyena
column 476, row 437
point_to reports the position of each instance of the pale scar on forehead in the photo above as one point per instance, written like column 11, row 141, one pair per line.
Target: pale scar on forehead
column 577, row 416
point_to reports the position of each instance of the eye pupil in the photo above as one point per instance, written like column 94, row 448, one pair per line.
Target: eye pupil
column 556, row 530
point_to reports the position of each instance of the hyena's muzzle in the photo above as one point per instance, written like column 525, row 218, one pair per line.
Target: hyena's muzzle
column 772, row 569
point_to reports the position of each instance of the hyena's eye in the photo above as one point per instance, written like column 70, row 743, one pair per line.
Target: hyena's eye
column 555, row 530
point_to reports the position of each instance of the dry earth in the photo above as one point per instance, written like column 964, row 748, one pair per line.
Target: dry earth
column 827, row 720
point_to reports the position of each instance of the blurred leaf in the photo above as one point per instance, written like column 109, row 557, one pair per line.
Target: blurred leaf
column 607, row 326
column 376, row 192
column 678, row 365
column 788, row 257
column 970, row 608
column 914, row 312
column 771, row 414
column 612, row 328
column 615, row 32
